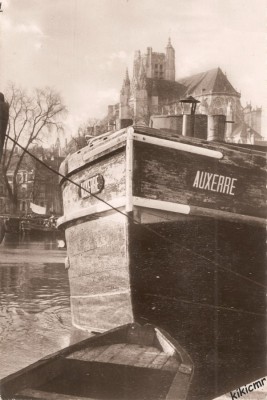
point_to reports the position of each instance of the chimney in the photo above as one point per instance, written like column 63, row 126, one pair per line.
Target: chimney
column 216, row 128
column 188, row 125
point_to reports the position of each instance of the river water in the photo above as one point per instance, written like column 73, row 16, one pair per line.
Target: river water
column 35, row 318
column 35, row 315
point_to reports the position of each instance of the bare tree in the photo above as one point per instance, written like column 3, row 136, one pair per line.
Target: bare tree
column 31, row 118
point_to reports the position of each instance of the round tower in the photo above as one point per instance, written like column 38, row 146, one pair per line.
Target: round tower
column 170, row 62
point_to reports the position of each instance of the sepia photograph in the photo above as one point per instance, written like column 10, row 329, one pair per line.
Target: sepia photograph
column 133, row 139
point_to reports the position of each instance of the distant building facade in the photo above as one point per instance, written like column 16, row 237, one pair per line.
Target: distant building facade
column 154, row 90
column 35, row 183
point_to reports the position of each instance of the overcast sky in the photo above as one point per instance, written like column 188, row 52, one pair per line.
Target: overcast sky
column 82, row 47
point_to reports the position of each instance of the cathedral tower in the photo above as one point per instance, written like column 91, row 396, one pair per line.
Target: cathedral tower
column 170, row 62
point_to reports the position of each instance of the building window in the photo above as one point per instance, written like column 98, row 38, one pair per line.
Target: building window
column 156, row 66
column 218, row 106
column 1, row 189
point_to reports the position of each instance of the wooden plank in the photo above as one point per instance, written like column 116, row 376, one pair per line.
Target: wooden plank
column 98, row 209
column 42, row 395
column 129, row 354
column 145, row 359
column 194, row 210
column 171, row 364
column 88, row 354
column 110, row 353
column 234, row 184
column 91, row 153
column 179, row 388
column 159, row 361
column 121, row 353
column 112, row 169
column 191, row 148
column 165, row 344
column 227, row 148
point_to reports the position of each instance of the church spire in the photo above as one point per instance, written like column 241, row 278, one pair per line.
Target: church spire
column 127, row 79
column 170, row 62
column 126, row 84
column 169, row 43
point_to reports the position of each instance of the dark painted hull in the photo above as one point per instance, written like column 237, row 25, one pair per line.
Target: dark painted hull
column 192, row 262
column 219, row 317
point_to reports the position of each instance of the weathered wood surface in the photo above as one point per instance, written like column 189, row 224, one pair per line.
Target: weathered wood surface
column 171, row 175
column 99, row 147
column 256, row 154
column 112, row 168
column 128, row 354
column 118, row 370
column 98, row 274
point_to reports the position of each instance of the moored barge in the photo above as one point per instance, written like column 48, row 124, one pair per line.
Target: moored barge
column 187, row 251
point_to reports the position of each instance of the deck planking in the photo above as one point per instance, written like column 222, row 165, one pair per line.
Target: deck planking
column 128, row 354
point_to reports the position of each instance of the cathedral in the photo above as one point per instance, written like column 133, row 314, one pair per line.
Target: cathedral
column 154, row 90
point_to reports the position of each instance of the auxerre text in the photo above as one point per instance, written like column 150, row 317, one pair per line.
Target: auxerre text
column 215, row 183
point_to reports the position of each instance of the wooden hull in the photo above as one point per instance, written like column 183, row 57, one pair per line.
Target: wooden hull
column 129, row 362
column 191, row 254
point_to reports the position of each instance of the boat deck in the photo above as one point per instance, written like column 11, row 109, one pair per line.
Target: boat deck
column 128, row 354
column 110, row 371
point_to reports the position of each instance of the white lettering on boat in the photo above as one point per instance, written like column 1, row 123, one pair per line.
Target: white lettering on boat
column 214, row 182
column 92, row 185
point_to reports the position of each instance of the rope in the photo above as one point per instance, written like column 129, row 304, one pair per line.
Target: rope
column 131, row 219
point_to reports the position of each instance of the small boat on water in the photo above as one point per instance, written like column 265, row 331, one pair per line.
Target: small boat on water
column 129, row 362
column 41, row 227
column 38, row 225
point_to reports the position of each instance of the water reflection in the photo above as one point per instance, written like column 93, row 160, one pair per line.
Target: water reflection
column 17, row 240
column 34, row 288
column 34, row 302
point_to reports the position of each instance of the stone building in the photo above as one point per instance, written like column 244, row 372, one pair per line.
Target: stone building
column 154, row 90
column 35, row 183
